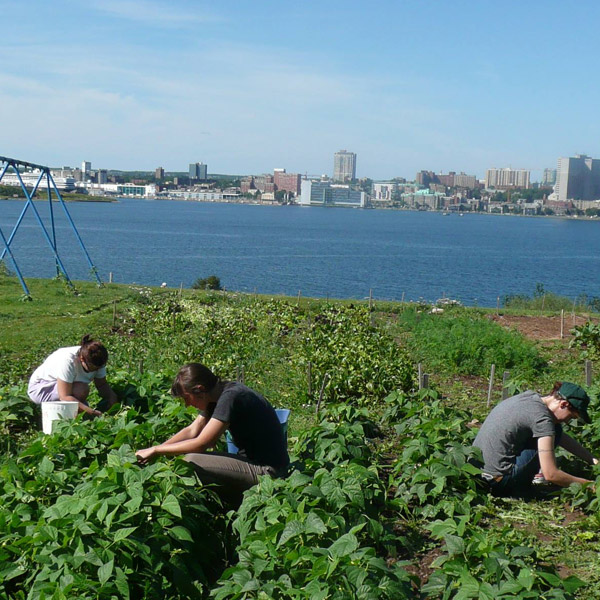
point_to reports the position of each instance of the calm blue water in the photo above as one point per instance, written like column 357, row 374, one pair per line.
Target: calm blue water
column 319, row 251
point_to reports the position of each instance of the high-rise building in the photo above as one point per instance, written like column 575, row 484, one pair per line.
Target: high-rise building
column 198, row 171
column 86, row 167
column 548, row 177
column 159, row 173
column 344, row 166
column 577, row 178
column 507, row 178
column 101, row 176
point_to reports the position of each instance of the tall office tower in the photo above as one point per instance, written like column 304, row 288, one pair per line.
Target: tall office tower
column 507, row 178
column 102, row 176
column 198, row 171
column 578, row 178
column 548, row 177
column 344, row 166
column 86, row 167
column 159, row 173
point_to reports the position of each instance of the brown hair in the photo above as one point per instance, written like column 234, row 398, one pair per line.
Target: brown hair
column 192, row 375
column 93, row 353
column 555, row 389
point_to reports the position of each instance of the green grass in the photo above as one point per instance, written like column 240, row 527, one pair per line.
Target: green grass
column 463, row 342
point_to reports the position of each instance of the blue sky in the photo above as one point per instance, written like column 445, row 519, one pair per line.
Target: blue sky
column 250, row 86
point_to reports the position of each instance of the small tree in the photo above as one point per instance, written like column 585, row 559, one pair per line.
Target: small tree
column 212, row 282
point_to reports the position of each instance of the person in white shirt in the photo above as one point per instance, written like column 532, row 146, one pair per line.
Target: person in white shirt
column 67, row 373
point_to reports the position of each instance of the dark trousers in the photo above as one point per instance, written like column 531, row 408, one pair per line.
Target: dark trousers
column 230, row 474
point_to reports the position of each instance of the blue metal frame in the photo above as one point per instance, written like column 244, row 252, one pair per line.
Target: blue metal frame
column 51, row 185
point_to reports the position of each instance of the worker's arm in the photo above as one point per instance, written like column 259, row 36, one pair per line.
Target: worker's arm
column 65, row 394
column 574, row 447
column 189, row 432
column 207, row 436
column 105, row 391
column 548, row 464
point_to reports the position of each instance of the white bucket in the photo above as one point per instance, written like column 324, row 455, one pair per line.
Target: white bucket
column 54, row 411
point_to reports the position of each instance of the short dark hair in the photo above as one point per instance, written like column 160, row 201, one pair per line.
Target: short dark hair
column 192, row 375
column 93, row 353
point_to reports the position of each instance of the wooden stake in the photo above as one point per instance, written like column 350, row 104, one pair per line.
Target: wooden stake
column 309, row 377
column 114, row 313
column 370, row 299
column 562, row 323
column 325, row 380
column 425, row 381
column 402, row 298
column 505, row 377
column 588, row 373
column 492, row 371
column 498, row 305
column 420, row 375
column 110, row 277
column 573, row 313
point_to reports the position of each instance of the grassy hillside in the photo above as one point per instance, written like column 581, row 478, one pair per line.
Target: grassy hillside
column 382, row 503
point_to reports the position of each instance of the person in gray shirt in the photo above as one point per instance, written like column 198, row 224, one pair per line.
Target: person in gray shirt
column 519, row 437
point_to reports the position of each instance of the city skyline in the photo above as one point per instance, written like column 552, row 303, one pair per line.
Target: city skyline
column 139, row 83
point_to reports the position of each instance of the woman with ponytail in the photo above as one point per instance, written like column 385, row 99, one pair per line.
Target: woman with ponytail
column 67, row 373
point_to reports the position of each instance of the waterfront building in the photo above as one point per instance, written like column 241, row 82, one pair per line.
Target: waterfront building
column 102, row 176
column 199, row 196
column 425, row 200
column 577, row 178
column 130, row 190
column 198, row 171
column 385, row 191
column 159, row 174
column 257, row 183
column 548, row 177
column 507, row 178
column 325, row 193
column 287, row 182
column 344, row 166
column 30, row 178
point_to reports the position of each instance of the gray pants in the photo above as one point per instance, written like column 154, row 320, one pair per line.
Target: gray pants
column 231, row 474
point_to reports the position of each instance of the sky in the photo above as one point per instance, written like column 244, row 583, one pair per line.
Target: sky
column 249, row 86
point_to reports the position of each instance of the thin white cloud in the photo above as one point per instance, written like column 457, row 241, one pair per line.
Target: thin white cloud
column 166, row 14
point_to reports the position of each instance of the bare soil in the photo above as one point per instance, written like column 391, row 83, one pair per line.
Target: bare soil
column 541, row 327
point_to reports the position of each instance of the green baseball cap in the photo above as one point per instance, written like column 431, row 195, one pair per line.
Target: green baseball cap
column 577, row 396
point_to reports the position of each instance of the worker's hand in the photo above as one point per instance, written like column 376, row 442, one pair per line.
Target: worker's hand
column 145, row 455
column 595, row 461
column 92, row 411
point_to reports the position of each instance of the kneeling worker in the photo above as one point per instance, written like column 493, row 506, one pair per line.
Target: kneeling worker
column 253, row 424
column 519, row 436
